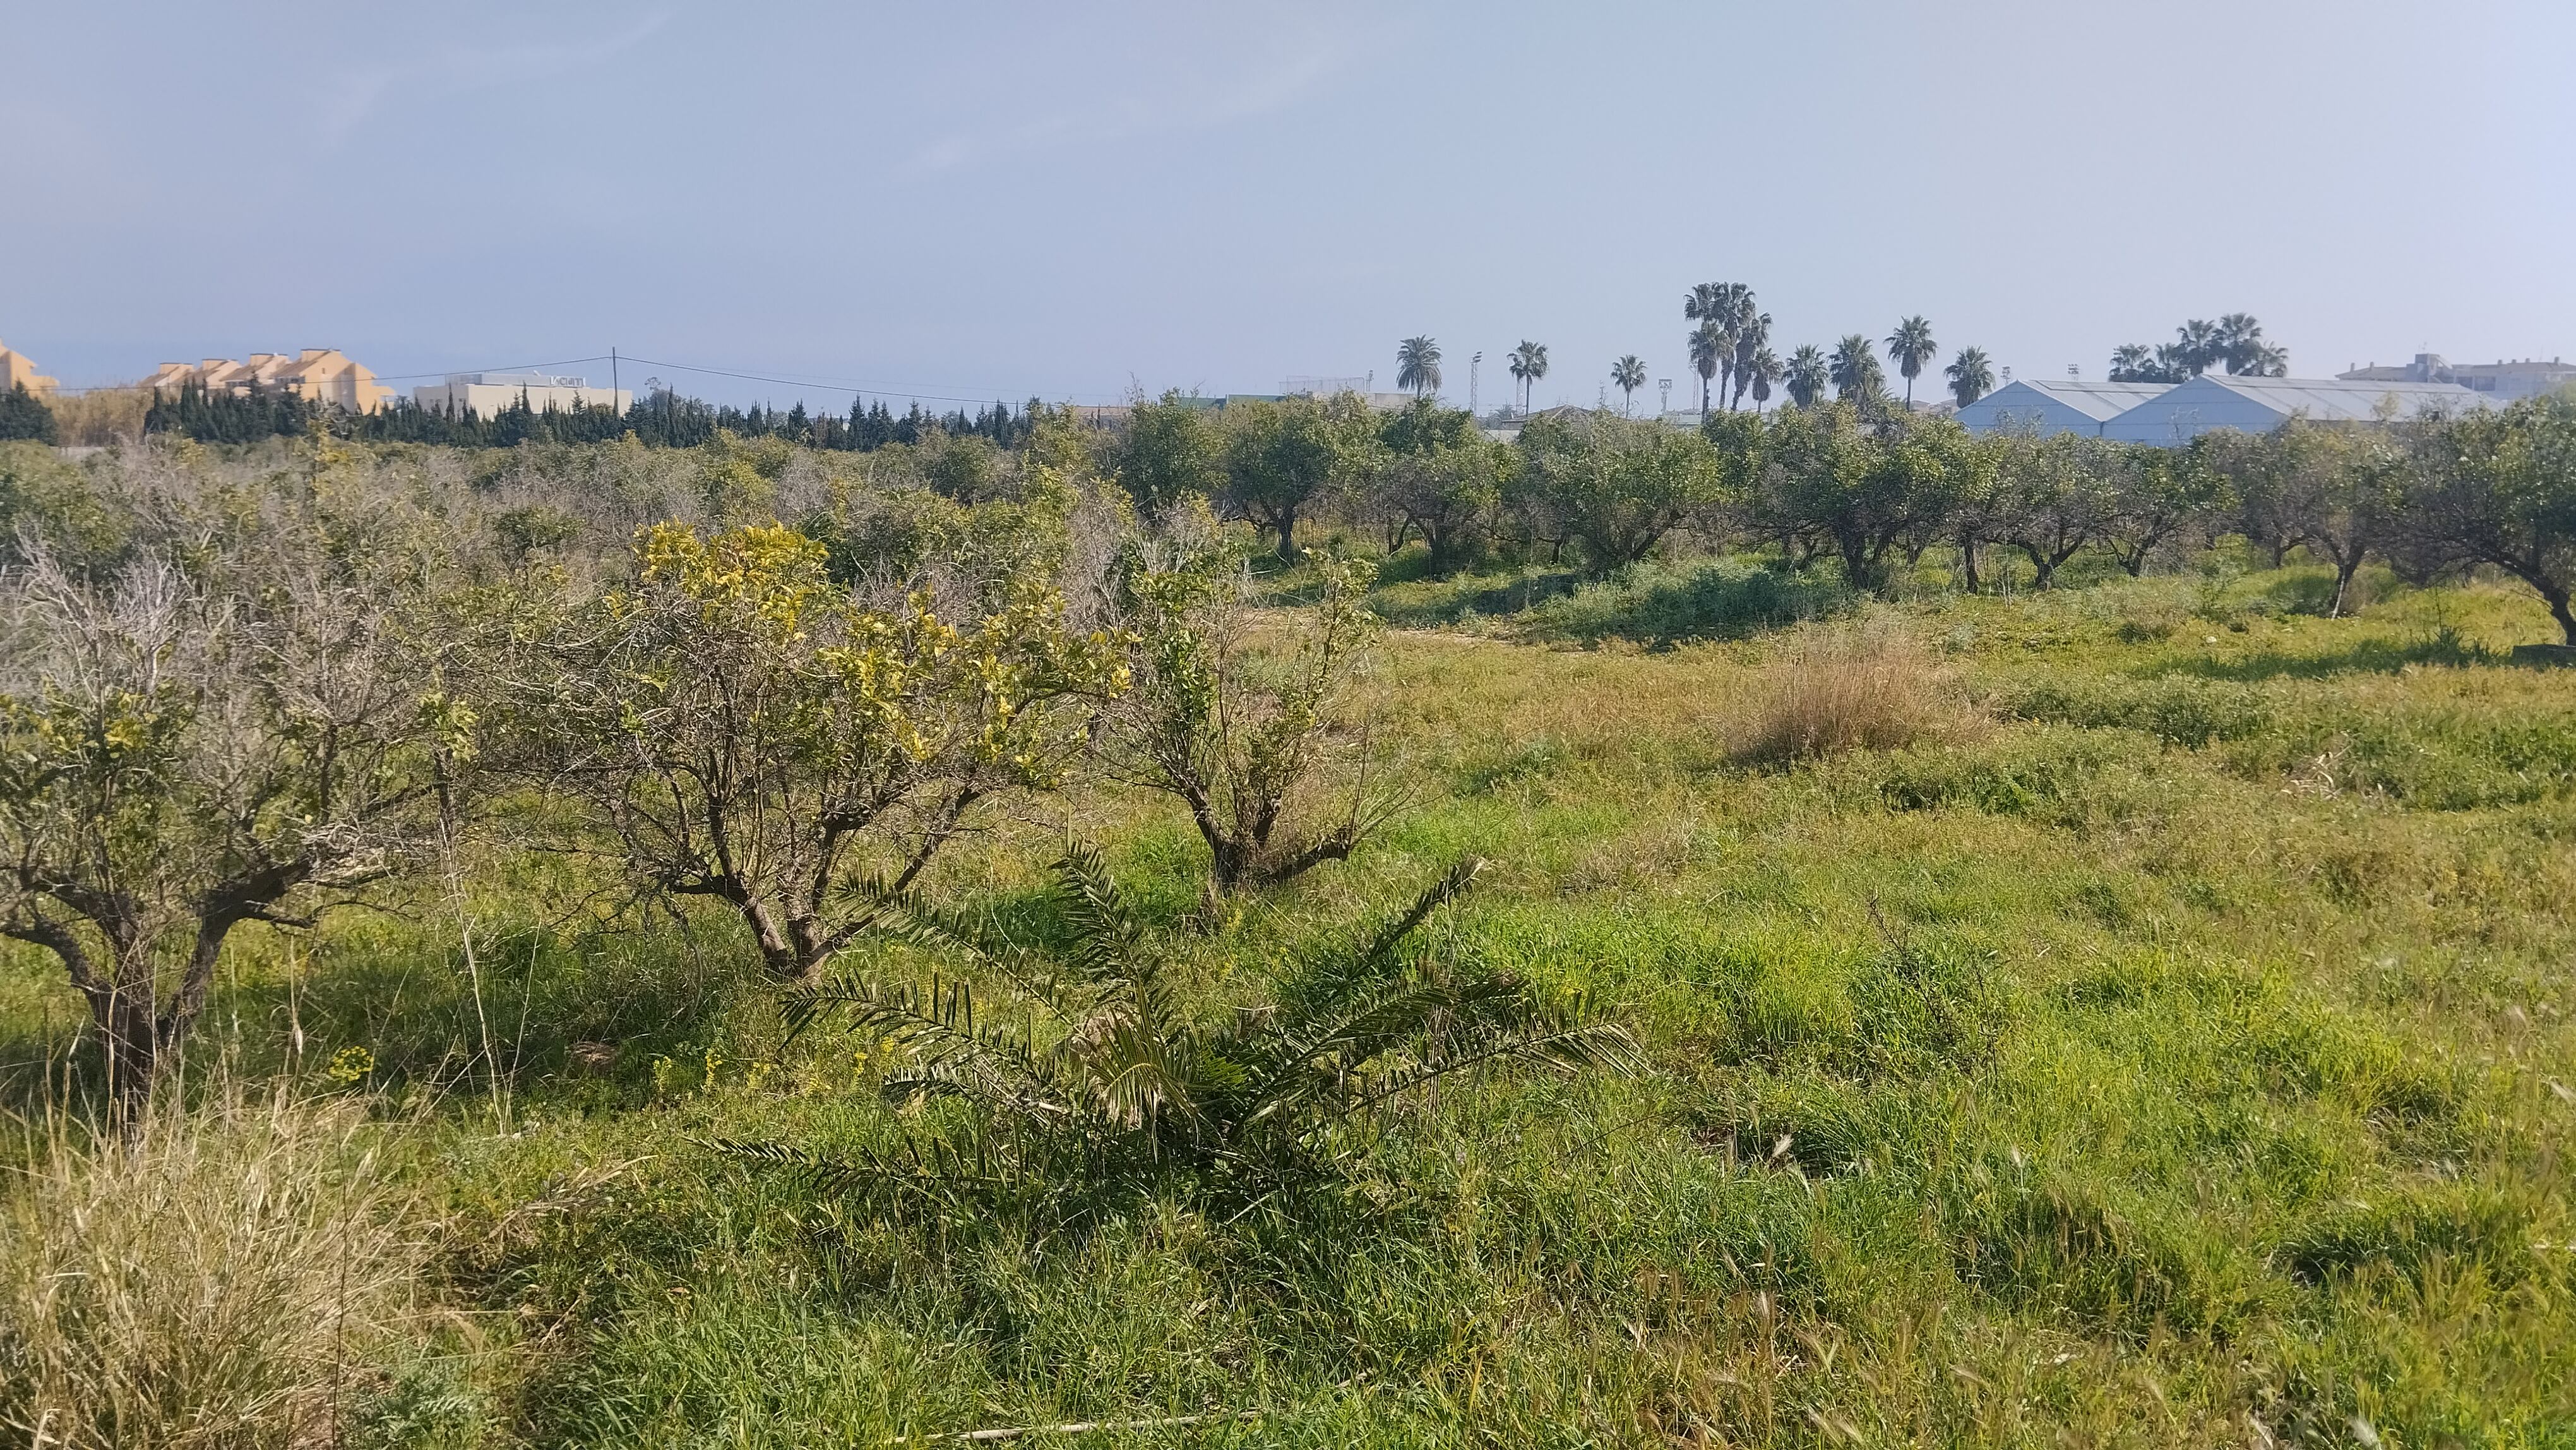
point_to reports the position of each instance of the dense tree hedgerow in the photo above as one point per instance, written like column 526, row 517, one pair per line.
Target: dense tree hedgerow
column 659, row 419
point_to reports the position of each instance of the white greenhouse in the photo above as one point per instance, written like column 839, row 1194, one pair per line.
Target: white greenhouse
column 2072, row 406
column 2258, row 405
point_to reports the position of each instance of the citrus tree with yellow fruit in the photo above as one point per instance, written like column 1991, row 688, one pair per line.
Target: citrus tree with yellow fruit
column 735, row 724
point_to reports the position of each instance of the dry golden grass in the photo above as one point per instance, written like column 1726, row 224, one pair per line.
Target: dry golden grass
column 217, row 1279
column 1840, row 691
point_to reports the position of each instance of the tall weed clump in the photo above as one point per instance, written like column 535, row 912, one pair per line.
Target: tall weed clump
column 218, row 1276
column 1836, row 693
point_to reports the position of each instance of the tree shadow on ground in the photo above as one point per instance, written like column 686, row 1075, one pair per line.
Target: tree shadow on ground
column 1653, row 604
column 2369, row 656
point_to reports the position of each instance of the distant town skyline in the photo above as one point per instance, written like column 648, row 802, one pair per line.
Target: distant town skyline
column 1011, row 200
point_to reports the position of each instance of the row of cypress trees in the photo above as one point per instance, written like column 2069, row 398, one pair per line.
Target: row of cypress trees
column 659, row 419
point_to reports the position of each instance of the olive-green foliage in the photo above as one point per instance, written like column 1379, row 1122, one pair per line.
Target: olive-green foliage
column 1614, row 486
column 1850, row 484
column 43, row 497
column 2331, row 488
column 2495, row 487
column 1172, row 450
column 1282, row 457
column 745, row 728
column 1439, row 476
column 244, row 721
column 1252, row 734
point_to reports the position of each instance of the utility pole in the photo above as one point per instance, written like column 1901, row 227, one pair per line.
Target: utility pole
column 612, row 375
column 1473, row 364
column 1665, row 387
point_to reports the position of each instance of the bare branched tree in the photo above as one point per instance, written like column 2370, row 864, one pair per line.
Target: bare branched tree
column 240, row 726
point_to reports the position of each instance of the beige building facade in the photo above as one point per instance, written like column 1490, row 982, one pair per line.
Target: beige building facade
column 19, row 370
column 319, row 374
column 487, row 395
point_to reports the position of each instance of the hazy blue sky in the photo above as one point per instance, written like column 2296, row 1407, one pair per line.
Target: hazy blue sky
column 985, row 200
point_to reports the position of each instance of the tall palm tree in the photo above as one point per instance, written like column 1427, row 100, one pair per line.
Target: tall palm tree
column 2132, row 362
column 2197, row 346
column 2240, row 341
column 1726, row 308
column 1752, row 335
column 1856, row 373
column 1764, row 369
column 1629, row 373
column 1910, row 346
column 2267, row 360
column 1417, row 365
column 1529, row 364
column 1707, row 345
column 1971, row 374
column 1807, row 375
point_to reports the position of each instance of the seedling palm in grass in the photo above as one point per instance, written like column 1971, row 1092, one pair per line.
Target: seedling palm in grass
column 1087, row 1069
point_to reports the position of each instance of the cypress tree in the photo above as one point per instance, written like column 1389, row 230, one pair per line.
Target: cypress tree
column 24, row 415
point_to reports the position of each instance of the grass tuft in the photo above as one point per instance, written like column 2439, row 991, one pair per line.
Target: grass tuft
column 1841, row 692
column 219, row 1277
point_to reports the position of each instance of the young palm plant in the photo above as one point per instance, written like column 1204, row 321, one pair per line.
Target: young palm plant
column 1096, row 1068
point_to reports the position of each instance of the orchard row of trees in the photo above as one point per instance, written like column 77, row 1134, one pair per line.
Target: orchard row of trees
column 244, row 691
column 659, row 419
column 1869, row 490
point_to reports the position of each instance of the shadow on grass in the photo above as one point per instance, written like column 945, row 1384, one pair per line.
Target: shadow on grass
column 1653, row 604
column 2368, row 656
column 1661, row 606
column 585, row 1011
column 1429, row 603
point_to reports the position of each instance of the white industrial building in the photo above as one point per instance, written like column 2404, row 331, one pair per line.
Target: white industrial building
column 2213, row 401
column 2049, row 406
column 2503, row 381
column 488, row 394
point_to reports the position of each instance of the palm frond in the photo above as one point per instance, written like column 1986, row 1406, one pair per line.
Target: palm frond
column 951, row 1053
column 935, row 1174
column 1381, row 947
column 1106, row 934
column 1564, row 1048
column 910, row 919
column 1327, row 982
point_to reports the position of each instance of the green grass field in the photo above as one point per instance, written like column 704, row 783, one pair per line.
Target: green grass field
column 2176, row 1052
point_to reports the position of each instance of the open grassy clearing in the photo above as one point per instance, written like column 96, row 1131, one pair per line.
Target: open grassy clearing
column 2170, row 1045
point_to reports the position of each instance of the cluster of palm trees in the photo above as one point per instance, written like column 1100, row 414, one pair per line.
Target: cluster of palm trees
column 2234, row 341
column 1730, row 349
column 1417, row 367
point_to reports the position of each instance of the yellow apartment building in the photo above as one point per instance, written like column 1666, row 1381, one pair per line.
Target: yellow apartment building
column 321, row 374
column 16, row 368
